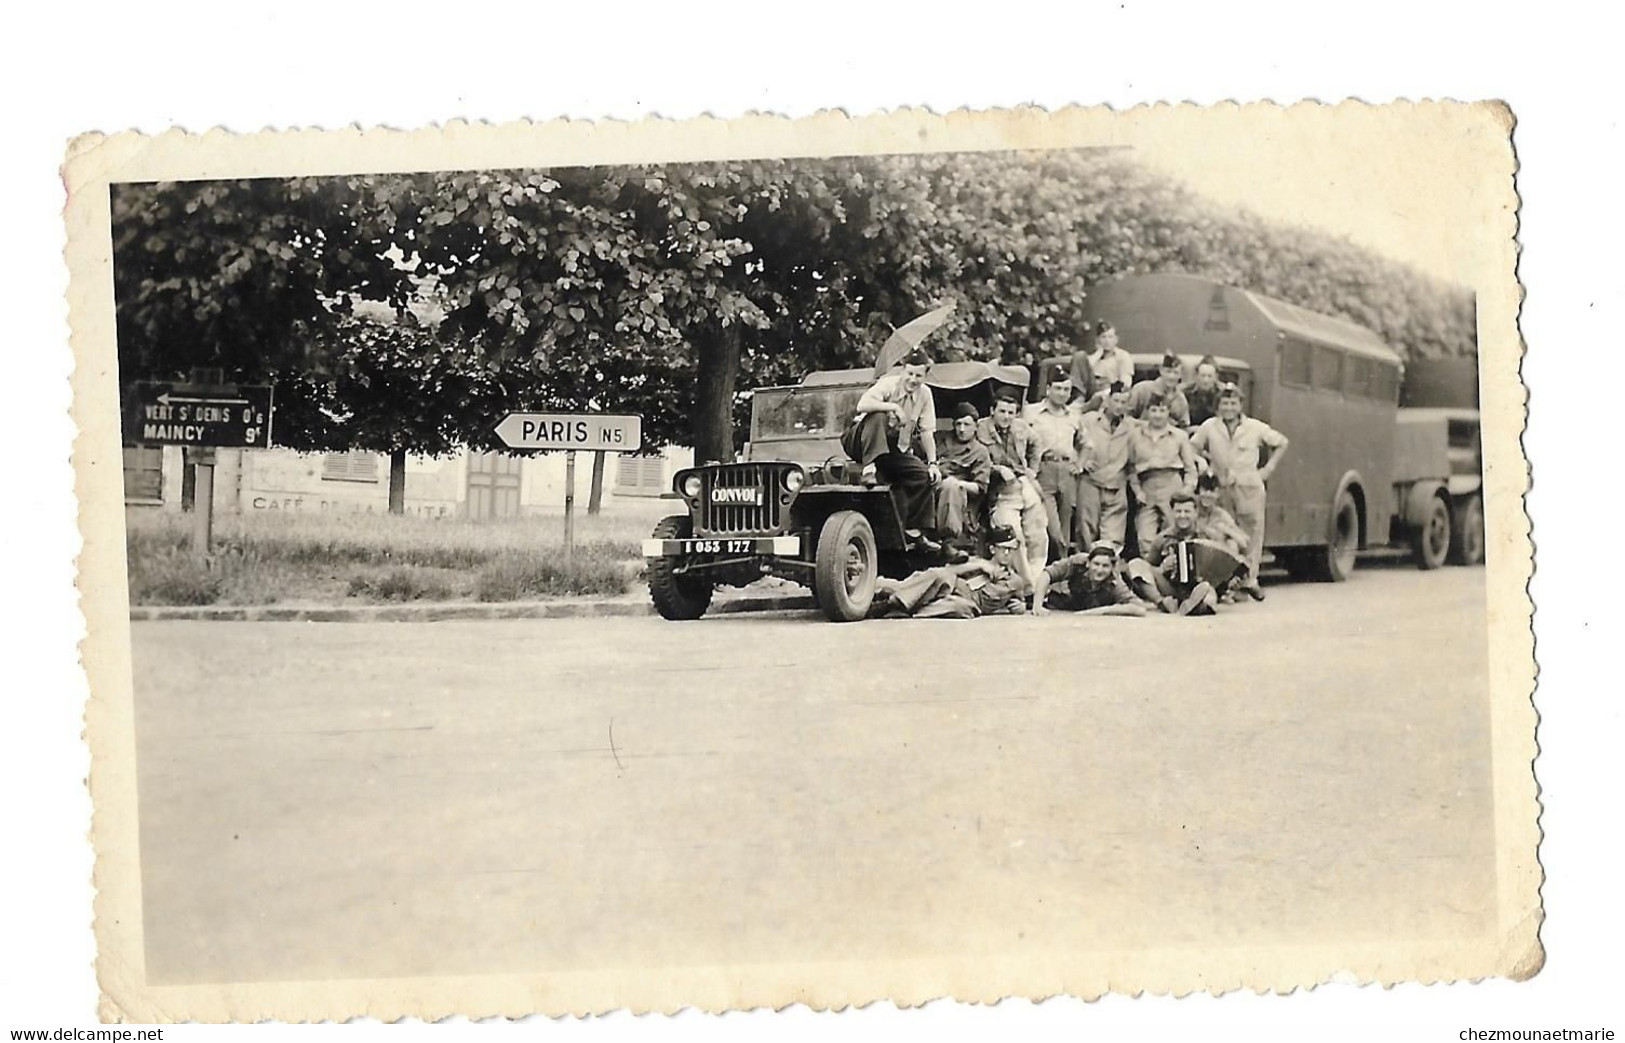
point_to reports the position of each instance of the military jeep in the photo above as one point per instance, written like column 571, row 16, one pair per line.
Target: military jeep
column 793, row 506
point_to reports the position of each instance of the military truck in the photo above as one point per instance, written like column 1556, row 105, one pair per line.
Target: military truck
column 1384, row 453
column 793, row 506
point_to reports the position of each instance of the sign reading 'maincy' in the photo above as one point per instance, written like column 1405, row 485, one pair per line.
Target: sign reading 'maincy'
column 157, row 413
column 594, row 432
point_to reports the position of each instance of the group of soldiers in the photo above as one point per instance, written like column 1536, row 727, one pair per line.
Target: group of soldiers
column 1051, row 489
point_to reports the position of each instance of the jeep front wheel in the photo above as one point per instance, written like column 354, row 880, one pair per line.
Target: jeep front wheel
column 675, row 594
column 846, row 567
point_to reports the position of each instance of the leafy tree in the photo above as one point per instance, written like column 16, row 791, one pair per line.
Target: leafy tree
column 389, row 387
column 666, row 289
column 238, row 275
column 262, row 279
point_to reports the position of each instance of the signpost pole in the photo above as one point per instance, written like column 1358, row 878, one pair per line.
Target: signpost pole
column 202, row 460
column 569, row 504
column 596, row 433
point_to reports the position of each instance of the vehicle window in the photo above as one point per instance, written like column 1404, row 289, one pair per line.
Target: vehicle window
column 843, row 406
column 1244, row 380
column 1386, row 384
column 1295, row 363
column 1328, row 369
column 791, row 414
column 1361, row 377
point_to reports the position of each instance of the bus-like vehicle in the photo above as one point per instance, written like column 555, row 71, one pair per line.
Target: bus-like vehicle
column 1362, row 472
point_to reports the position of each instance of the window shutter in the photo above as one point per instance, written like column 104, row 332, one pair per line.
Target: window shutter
column 144, row 473
column 353, row 466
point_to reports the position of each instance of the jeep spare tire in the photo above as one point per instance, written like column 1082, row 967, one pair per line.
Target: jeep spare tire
column 675, row 594
column 846, row 566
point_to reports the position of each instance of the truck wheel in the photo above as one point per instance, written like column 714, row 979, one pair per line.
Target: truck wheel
column 676, row 596
column 1467, row 537
column 1296, row 561
column 1431, row 541
column 1334, row 562
column 844, row 574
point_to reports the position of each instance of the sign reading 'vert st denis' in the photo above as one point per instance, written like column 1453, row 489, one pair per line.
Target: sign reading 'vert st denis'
column 159, row 413
column 589, row 432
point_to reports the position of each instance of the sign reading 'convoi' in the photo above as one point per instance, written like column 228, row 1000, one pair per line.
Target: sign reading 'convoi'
column 591, row 432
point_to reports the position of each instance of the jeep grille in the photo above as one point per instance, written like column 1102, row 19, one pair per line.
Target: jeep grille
column 723, row 518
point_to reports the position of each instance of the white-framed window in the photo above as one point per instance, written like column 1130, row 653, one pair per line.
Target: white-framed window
column 353, row 466
column 640, row 475
column 144, row 474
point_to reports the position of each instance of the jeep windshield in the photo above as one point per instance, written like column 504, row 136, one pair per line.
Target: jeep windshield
column 802, row 413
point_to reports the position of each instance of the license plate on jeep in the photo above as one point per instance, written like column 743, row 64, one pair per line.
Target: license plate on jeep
column 782, row 545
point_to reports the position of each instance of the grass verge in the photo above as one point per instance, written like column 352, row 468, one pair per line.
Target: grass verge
column 367, row 558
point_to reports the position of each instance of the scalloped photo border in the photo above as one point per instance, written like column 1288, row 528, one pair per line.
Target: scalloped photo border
column 1475, row 139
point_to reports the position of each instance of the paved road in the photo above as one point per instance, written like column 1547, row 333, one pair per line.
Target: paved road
column 324, row 800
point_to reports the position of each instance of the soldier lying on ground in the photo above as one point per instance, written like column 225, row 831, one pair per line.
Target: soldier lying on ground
column 1153, row 575
column 1091, row 586
column 978, row 587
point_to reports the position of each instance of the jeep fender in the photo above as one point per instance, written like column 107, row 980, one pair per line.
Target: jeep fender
column 817, row 502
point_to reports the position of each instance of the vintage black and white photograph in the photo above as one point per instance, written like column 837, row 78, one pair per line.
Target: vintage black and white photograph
column 913, row 558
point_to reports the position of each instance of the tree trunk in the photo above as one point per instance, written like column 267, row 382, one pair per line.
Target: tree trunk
column 397, row 481
column 595, row 498
column 718, row 372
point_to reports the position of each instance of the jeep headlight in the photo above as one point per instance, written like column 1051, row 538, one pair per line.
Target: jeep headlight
column 691, row 486
column 794, row 479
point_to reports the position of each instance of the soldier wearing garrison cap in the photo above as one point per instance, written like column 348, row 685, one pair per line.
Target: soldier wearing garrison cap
column 1243, row 452
column 991, row 586
column 1087, row 583
column 1166, row 385
column 1103, row 493
column 966, row 468
column 1161, row 464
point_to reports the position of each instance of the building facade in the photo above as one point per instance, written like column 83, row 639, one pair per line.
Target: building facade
column 474, row 485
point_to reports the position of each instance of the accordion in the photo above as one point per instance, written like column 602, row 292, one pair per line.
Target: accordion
column 1200, row 560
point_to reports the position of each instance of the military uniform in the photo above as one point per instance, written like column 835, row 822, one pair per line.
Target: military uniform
column 1234, row 456
column 966, row 468
column 1163, row 464
column 889, row 442
column 1103, row 493
column 1017, row 505
column 1082, row 593
column 1062, row 446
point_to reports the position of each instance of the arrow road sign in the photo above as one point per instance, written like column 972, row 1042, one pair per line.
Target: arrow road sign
column 167, row 398
column 593, row 432
column 157, row 413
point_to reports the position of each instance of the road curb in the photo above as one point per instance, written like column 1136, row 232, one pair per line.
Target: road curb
column 442, row 611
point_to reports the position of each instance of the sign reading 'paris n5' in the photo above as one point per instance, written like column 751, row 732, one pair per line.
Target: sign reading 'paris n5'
column 597, row 432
